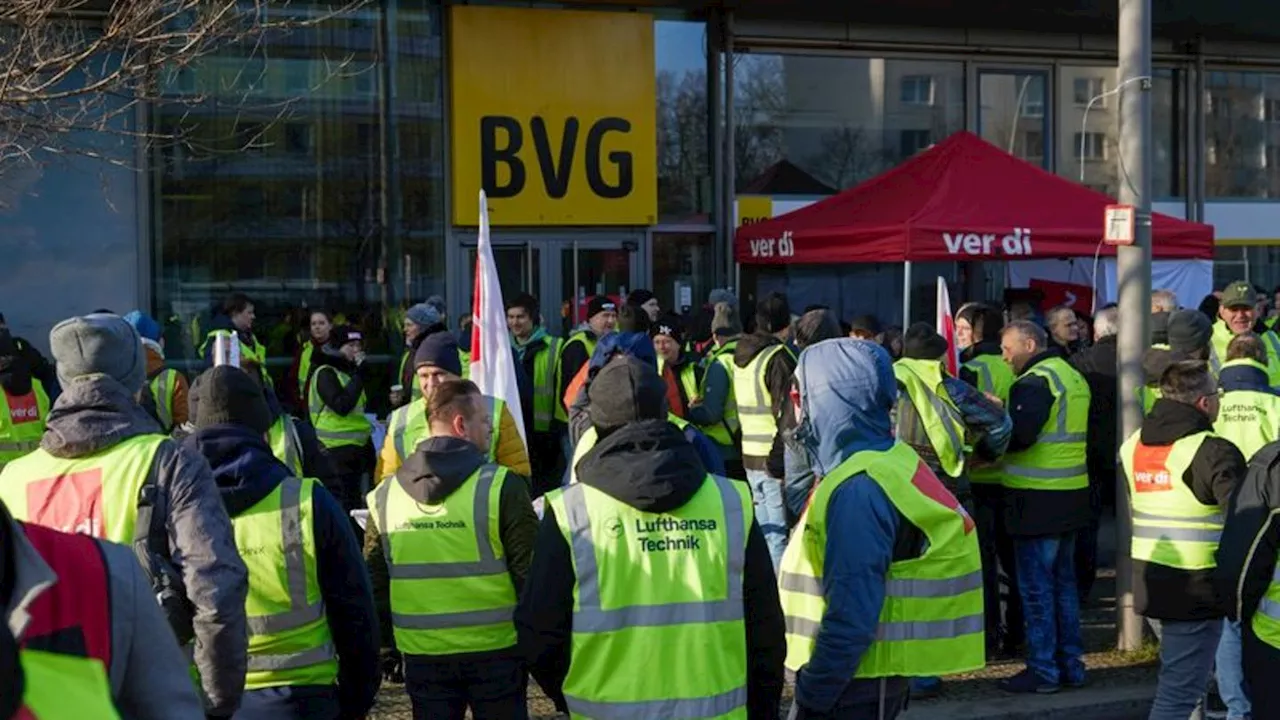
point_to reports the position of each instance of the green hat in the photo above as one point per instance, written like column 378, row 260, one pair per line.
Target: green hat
column 1239, row 294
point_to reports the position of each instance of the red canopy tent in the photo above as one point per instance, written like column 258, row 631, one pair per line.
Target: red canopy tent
column 962, row 199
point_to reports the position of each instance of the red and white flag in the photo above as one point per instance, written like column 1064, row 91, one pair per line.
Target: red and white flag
column 493, row 368
column 947, row 327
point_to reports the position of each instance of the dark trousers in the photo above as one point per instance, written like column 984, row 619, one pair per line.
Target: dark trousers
column 308, row 702
column 493, row 688
column 547, row 463
column 882, row 699
column 1261, row 668
column 1003, row 604
column 1101, row 478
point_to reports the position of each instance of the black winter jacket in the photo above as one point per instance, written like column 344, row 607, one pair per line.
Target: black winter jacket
column 1098, row 364
column 1244, row 572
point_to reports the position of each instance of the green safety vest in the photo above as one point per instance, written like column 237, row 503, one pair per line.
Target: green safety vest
column 285, row 443
column 588, row 341
column 662, row 591
column 1148, row 395
column 93, row 495
column 22, row 421
column 1266, row 620
column 450, row 589
column 590, row 438
column 544, row 384
column 755, row 405
column 724, row 356
column 336, row 430
column 995, row 377
column 163, row 384
column 1170, row 526
column 407, row 427
column 1248, row 418
column 304, row 366
column 1057, row 460
column 257, row 354
column 289, row 639
column 938, row 414
column 932, row 621
column 693, row 379
column 64, row 687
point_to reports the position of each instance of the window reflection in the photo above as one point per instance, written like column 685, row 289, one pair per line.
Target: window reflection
column 684, row 158
column 1242, row 128
column 1012, row 113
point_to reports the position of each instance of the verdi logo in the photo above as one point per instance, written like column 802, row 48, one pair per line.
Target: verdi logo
column 966, row 243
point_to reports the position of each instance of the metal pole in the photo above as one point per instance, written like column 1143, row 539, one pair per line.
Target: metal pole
column 730, row 140
column 1133, row 277
column 906, row 295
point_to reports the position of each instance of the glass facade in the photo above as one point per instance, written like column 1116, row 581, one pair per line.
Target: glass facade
column 1012, row 113
column 1242, row 135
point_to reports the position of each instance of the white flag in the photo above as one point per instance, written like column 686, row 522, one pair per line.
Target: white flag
column 946, row 325
column 492, row 365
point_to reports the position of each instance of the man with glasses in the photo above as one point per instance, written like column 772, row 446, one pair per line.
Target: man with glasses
column 1180, row 476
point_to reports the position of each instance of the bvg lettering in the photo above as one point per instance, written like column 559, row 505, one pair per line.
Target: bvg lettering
column 502, row 140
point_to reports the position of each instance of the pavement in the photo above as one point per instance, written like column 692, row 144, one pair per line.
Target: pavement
column 1122, row 702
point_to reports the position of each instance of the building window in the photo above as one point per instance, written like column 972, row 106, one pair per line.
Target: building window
column 1033, row 141
column 1239, row 135
column 1273, row 110
column 684, row 155
column 917, row 90
column 1085, row 89
column 1033, row 100
column 816, row 124
column 1011, row 113
column 1089, row 146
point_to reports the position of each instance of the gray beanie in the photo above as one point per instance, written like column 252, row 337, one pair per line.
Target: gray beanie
column 99, row 344
column 424, row 315
column 722, row 295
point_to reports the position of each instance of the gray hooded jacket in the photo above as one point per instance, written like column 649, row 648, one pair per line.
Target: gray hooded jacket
column 95, row 413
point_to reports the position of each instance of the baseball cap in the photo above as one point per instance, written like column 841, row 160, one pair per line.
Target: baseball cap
column 1239, row 294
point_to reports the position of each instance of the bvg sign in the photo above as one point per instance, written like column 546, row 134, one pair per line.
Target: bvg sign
column 553, row 114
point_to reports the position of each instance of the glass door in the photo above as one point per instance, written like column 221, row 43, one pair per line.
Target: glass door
column 591, row 267
column 519, row 270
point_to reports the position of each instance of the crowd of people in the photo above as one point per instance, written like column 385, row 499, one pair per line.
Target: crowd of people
column 685, row 512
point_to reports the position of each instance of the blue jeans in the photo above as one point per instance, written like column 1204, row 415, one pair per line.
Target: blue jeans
column 1047, row 583
column 1231, row 672
column 1187, row 648
column 766, row 495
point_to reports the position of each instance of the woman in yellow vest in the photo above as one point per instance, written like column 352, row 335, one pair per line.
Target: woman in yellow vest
column 234, row 318
column 336, row 403
column 319, row 325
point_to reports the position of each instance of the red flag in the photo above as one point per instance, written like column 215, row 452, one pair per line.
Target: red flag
column 493, row 368
column 946, row 326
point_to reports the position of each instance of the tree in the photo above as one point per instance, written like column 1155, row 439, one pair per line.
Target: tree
column 759, row 104
column 684, row 158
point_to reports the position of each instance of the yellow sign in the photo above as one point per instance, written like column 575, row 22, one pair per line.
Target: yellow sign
column 553, row 114
column 754, row 209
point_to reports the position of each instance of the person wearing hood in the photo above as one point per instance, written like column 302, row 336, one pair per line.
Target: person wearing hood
column 602, row 317
column 98, row 435
column 168, row 387
column 1046, row 501
column 881, row 548
column 763, row 363
column 1188, row 334
column 1180, row 478
column 313, row 644
column 448, row 616
column 336, row 406
column 1237, row 314
column 646, row 509
column 233, row 319
column 319, row 326
column 420, row 321
column 536, row 353
column 812, row 328
column 435, row 362
column 24, row 404
column 39, row 367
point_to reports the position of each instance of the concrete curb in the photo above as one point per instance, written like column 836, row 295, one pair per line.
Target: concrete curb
column 1112, row 703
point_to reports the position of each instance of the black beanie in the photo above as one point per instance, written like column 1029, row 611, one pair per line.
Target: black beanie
column 639, row 297
column 626, row 390
column 599, row 304
column 773, row 314
column 229, row 396
column 441, row 350
column 670, row 325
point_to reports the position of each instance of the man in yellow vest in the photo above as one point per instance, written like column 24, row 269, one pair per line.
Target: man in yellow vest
column 536, row 351
column 1046, row 502
column 313, row 649
column 102, row 470
column 448, row 544
column 1187, row 336
column 436, row 362
column 577, row 349
column 702, row 390
column 651, row 564
column 337, row 402
column 1180, row 479
column 882, row 581
column 726, row 328
column 1250, row 415
column 1237, row 314
column 762, row 367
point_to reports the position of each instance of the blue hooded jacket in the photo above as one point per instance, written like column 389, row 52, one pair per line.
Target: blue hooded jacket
column 1245, row 377
column 246, row 472
column 847, row 389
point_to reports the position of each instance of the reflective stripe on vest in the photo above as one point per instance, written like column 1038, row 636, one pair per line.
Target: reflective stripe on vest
column 1057, row 459
column 932, row 619
column 304, row 366
column 285, row 443
column 755, row 406
column 94, row 495
column 688, row 631
column 63, row 687
column 450, row 588
column 589, row 342
column 996, row 377
column 1266, row 620
column 934, row 410
column 162, row 387
column 332, row 429
column 408, row 427
column 1250, row 419
column 723, row 355
column 22, row 421
column 1170, row 526
column 544, row 384
column 696, row 387
column 289, row 639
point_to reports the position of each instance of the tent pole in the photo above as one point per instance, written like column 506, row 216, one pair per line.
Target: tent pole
column 906, row 295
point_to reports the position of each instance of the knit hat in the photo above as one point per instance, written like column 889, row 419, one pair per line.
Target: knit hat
column 773, row 314
column 922, row 342
column 525, row 302
column 98, row 345
column 343, row 334
column 423, row 314
column 599, row 304
column 726, row 322
column 722, row 295
column 1189, row 330
column 626, row 390
column 228, row 395
column 147, row 328
column 639, row 297
column 437, row 303
column 441, row 350
column 670, row 325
